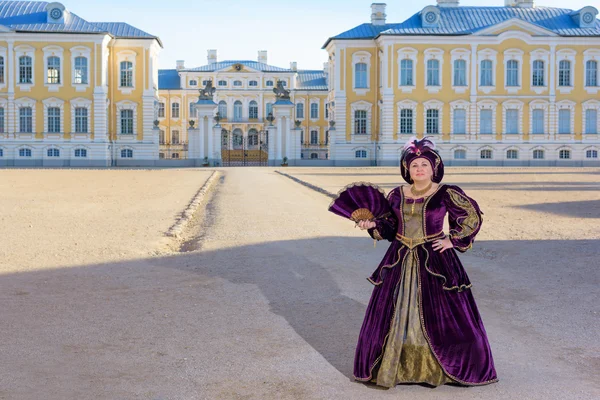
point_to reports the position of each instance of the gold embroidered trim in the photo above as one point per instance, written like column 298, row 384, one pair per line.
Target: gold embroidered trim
column 376, row 234
column 414, row 242
column 425, row 207
column 467, row 224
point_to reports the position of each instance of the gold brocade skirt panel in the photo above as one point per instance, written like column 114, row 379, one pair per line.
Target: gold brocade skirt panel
column 407, row 357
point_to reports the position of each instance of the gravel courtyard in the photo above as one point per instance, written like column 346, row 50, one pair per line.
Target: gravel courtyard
column 264, row 295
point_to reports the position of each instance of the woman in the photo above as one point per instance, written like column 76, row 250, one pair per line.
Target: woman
column 422, row 324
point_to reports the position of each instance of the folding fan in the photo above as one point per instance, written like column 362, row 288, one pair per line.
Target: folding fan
column 359, row 201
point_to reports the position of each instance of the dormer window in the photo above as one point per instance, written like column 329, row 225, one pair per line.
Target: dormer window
column 430, row 17
column 586, row 17
column 193, row 82
column 55, row 13
column 237, row 83
column 253, row 83
column 222, row 83
column 269, row 83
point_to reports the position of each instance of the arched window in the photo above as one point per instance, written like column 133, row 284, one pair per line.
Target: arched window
column 81, row 153
column 252, row 138
column 237, row 111
column 537, row 79
column 512, row 154
column 269, row 83
column 512, row 73
column 564, row 154
column 564, row 73
column 591, row 154
column 253, row 83
column 193, row 82
column 222, row 83
column 223, row 109
column 487, row 76
column 237, row 139
column 485, row 154
column 360, row 76
column 591, row 73
column 81, row 70
column 53, row 153
column 175, row 110
column 300, row 110
column 360, row 154
column 126, row 153
column 460, row 73
column 460, row 154
column 237, row 83
column 24, row 152
column 538, row 154
column 314, row 111
column 433, row 73
column 253, row 110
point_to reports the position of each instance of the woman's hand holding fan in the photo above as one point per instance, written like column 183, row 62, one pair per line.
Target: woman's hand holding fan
column 362, row 203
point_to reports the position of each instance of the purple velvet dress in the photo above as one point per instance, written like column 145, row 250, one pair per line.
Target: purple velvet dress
column 448, row 315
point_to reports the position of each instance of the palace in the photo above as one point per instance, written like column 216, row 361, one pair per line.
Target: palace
column 517, row 84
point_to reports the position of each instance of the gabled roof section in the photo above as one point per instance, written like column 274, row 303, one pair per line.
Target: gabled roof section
column 364, row 31
column 168, row 79
column 227, row 64
column 533, row 29
column 31, row 16
column 469, row 20
column 311, row 80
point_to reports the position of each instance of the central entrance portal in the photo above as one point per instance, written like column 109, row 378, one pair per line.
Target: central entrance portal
column 239, row 150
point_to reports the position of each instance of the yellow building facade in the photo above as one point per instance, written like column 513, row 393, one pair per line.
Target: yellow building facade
column 512, row 85
column 74, row 92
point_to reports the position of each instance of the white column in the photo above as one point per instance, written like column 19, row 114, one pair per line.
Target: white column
column 552, row 116
column 288, row 138
column 472, row 130
column 272, row 130
column 279, row 141
column 214, row 145
column 100, row 115
column 11, row 125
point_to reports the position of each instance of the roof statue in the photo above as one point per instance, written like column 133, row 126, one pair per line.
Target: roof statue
column 207, row 92
column 280, row 92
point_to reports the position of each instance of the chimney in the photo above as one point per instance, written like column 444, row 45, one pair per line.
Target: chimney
column 180, row 64
column 519, row 3
column 212, row 56
column 262, row 56
column 378, row 13
column 326, row 67
column 294, row 66
column 447, row 3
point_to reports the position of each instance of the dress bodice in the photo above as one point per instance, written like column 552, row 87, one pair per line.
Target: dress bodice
column 412, row 210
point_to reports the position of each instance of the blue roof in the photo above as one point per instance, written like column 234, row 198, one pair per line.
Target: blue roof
column 311, row 80
column 468, row 20
column 168, row 79
column 250, row 64
column 31, row 16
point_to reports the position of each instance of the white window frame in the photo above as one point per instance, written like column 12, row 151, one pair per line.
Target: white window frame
column 312, row 129
column 493, row 107
column 4, row 127
column 25, row 102
column 539, row 148
column 52, row 147
column 512, row 105
column 464, row 55
column 79, row 147
column 361, row 57
column 410, row 105
column 127, row 105
column 164, row 102
column 318, row 103
column 408, row 53
column 562, row 105
column 460, row 105
column 24, row 147
column 513, row 55
column 485, row 148
column 459, row 148
column 173, row 101
column 3, row 53
column 81, row 102
column 539, row 105
column 434, row 54
column 512, row 148
column 539, row 55
column 590, row 148
column 434, row 105
column 24, row 50
column 567, row 55
column 300, row 101
column 564, row 148
column 590, row 105
column 81, row 51
column 121, row 148
column 57, row 103
column 361, row 106
column 361, row 149
column 131, row 56
column 591, row 55
column 491, row 55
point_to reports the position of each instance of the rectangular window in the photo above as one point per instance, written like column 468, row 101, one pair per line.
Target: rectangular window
column 161, row 137
column 512, row 121
column 406, row 73
column 486, row 73
column 300, row 110
column 360, row 122
column 126, row 74
column 591, row 121
column 193, row 111
column 433, row 73
column 485, row 121
column 512, row 73
column 564, row 73
column 2, row 120
column 25, row 70
column 161, row 110
column 564, row 121
column 591, row 73
column 460, row 73
column 175, row 110
column 54, row 119
column 406, row 121
column 460, row 121
column 80, row 153
column 81, row 70
column 314, row 137
column 175, row 137
column 314, row 111
column 360, row 78
column 433, row 122
column 127, row 122
column 1, row 69
column 25, row 120
column 81, row 120
column 537, row 79
column 537, row 123
column 538, row 154
column 53, row 70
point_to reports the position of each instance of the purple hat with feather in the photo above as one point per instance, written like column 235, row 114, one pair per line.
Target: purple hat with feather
column 423, row 148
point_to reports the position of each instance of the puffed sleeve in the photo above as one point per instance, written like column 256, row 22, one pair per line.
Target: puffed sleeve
column 464, row 217
column 385, row 228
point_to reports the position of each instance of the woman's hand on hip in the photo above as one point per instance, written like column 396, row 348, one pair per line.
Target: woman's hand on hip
column 366, row 224
column 442, row 245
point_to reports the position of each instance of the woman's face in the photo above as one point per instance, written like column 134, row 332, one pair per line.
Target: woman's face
column 420, row 170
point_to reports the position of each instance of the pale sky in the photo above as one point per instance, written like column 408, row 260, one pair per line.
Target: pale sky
column 288, row 30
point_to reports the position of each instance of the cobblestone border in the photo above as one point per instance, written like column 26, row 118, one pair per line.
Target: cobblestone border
column 308, row 185
column 188, row 213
